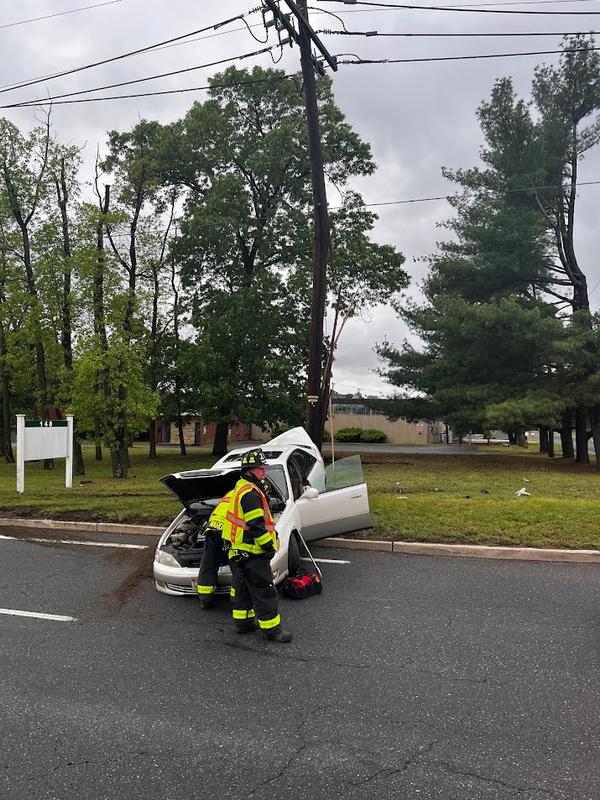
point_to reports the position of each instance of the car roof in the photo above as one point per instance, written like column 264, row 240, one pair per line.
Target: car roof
column 277, row 450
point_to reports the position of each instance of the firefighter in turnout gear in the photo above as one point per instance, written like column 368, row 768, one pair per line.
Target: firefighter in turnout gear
column 250, row 529
column 212, row 557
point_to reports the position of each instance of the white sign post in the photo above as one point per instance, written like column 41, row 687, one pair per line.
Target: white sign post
column 41, row 439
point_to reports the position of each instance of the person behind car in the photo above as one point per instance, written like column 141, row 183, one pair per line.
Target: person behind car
column 250, row 529
column 212, row 557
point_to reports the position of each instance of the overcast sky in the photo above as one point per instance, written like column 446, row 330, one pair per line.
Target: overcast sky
column 417, row 117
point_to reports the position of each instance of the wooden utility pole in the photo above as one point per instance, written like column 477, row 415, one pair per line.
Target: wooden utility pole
column 305, row 37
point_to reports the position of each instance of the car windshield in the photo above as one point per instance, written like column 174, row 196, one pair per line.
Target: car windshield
column 270, row 454
column 277, row 475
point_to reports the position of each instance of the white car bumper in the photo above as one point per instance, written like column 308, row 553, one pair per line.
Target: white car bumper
column 181, row 580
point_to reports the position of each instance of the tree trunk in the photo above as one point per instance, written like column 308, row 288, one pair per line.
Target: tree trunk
column 66, row 333
column 5, row 443
column 182, row 447
column 581, row 436
column 102, row 378
column 78, row 465
column 544, row 439
column 566, row 436
column 551, row 443
column 152, row 439
column 220, row 443
column 118, row 464
column 520, row 438
column 595, row 416
column 512, row 437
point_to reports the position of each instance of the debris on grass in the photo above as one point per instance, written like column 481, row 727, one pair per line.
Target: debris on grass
column 522, row 493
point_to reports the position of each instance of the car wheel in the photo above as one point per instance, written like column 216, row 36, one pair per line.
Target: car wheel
column 293, row 556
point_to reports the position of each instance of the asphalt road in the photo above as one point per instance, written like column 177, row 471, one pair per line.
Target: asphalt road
column 409, row 677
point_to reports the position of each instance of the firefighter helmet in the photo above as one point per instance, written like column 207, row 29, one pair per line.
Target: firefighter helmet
column 253, row 458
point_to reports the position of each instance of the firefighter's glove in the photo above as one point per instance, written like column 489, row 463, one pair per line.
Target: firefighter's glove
column 269, row 551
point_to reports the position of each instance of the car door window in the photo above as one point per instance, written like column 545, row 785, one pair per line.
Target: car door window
column 305, row 463
column 343, row 473
column 296, row 478
column 277, row 475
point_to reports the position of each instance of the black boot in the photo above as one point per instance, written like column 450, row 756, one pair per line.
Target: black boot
column 246, row 626
column 278, row 636
column 206, row 603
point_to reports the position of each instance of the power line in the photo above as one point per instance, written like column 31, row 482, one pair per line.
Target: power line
column 32, row 104
column 497, row 191
column 461, row 10
column 49, row 100
column 361, row 61
column 233, row 30
column 373, row 34
column 453, row 5
column 179, row 44
column 59, row 14
column 154, row 46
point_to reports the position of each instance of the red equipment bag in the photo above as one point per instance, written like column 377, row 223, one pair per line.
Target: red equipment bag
column 305, row 584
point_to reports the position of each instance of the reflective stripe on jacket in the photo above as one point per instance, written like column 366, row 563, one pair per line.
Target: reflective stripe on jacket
column 218, row 516
column 250, row 530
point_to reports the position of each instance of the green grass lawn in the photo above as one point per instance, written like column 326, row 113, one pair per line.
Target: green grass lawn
column 421, row 497
column 96, row 496
column 472, row 499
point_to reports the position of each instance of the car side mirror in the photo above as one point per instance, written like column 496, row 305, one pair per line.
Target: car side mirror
column 310, row 493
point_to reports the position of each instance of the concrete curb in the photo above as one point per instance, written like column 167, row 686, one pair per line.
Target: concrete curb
column 468, row 550
column 404, row 548
column 84, row 527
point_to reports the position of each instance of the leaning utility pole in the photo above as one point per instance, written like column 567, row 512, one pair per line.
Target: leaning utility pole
column 305, row 37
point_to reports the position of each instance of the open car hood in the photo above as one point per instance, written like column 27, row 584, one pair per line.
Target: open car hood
column 194, row 486
column 294, row 437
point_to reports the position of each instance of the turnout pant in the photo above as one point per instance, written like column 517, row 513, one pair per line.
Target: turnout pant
column 212, row 558
column 255, row 594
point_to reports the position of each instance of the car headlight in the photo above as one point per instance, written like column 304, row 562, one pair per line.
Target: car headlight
column 166, row 559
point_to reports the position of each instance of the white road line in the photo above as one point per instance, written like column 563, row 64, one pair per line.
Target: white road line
column 74, row 541
column 55, row 617
column 327, row 560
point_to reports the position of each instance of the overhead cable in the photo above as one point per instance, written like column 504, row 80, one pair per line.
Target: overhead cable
column 34, row 104
column 59, row 14
column 345, row 11
column 146, row 49
column 497, row 191
column 179, row 44
column 381, row 34
column 360, row 61
column 461, row 10
column 49, row 100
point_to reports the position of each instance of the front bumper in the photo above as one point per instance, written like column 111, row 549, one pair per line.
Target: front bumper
column 178, row 580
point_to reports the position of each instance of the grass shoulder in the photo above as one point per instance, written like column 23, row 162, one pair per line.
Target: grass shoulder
column 416, row 497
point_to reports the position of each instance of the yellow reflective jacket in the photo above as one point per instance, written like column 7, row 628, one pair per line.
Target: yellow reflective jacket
column 249, row 525
column 218, row 516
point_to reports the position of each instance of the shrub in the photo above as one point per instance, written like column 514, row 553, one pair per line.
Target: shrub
column 348, row 435
column 373, row 436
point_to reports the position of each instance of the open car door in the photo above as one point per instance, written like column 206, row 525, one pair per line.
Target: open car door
column 343, row 506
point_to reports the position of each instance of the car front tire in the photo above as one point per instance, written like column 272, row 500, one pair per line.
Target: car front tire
column 293, row 556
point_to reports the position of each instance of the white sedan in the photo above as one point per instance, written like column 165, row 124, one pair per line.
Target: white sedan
column 305, row 497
